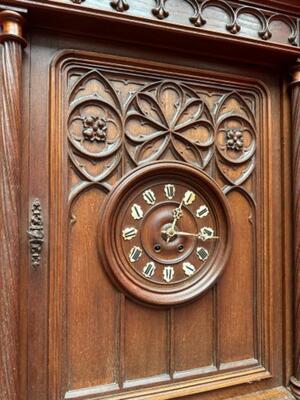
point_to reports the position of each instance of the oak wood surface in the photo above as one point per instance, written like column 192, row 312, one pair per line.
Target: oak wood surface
column 295, row 101
column 82, row 334
column 10, row 186
column 85, row 338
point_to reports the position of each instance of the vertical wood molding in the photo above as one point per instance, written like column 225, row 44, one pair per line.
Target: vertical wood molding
column 295, row 108
column 10, row 126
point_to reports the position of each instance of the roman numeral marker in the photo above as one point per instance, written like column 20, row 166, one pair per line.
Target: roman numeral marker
column 170, row 191
column 149, row 269
column 202, row 211
column 168, row 273
column 149, row 197
column 129, row 233
column 136, row 211
column 135, row 254
column 189, row 197
column 188, row 268
column 202, row 253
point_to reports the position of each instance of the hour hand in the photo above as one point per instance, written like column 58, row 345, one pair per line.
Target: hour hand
column 177, row 214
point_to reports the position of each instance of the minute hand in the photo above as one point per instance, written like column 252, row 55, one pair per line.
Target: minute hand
column 199, row 235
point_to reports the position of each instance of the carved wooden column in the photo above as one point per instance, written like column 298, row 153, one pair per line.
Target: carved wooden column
column 10, row 94
column 295, row 92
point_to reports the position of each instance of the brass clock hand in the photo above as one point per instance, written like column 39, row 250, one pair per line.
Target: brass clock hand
column 177, row 214
column 187, row 199
column 172, row 232
column 199, row 235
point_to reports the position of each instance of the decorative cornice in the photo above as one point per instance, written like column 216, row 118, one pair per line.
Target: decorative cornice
column 202, row 20
column 235, row 24
column 262, row 25
column 12, row 27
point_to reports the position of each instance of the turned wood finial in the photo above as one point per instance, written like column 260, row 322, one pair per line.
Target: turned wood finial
column 11, row 27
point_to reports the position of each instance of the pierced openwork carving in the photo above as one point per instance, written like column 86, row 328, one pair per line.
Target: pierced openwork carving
column 36, row 233
column 235, row 23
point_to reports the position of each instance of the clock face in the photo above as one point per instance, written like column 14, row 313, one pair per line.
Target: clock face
column 168, row 231
column 165, row 233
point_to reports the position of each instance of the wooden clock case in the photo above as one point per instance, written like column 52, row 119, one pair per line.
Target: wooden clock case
column 112, row 220
column 73, row 73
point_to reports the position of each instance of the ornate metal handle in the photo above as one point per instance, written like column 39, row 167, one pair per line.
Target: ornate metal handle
column 36, row 233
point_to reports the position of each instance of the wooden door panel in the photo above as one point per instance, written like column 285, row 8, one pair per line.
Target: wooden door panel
column 237, row 288
column 92, row 303
column 106, row 112
column 194, row 337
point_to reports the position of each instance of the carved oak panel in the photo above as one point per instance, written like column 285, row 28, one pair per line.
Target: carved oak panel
column 113, row 116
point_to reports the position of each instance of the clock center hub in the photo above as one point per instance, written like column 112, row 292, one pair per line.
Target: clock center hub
column 159, row 238
column 168, row 233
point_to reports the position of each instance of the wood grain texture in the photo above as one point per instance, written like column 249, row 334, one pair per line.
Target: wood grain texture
column 279, row 393
column 295, row 92
column 152, row 346
column 11, row 60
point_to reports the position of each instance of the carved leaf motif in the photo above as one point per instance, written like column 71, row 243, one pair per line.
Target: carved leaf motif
column 168, row 116
column 235, row 138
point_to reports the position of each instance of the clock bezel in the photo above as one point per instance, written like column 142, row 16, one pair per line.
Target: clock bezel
column 114, row 263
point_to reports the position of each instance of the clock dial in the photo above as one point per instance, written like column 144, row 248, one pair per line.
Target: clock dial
column 167, row 230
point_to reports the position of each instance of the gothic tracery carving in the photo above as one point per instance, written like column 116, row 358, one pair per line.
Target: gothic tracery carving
column 117, row 121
